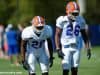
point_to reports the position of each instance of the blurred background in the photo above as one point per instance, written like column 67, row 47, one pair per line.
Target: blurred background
column 22, row 11
column 19, row 13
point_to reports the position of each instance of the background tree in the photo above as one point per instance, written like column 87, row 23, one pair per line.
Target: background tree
column 22, row 11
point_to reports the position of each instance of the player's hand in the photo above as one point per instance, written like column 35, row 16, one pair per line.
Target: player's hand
column 25, row 65
column 60, row 54
column 88, row 53
column 51, row 61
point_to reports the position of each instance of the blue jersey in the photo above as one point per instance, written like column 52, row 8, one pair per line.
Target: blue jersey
column 11, row 37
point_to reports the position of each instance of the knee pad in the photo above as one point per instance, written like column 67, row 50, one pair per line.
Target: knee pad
column 44, row 67
column 31, row 65
column 31, row 68
column 65, row 65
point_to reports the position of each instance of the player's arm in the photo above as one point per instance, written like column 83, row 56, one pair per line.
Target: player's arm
column 85, row 36
column 23, row 49
column 50, row 47
column 57, row 37
column 57, row 42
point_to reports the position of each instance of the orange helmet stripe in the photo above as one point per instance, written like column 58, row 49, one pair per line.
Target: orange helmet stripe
column 72, row 6
column 38, row 21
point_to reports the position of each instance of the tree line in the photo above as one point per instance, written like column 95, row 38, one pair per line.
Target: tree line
column 22, row 11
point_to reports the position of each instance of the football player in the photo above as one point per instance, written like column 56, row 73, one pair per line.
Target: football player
column 33, row 43
column 69, row 28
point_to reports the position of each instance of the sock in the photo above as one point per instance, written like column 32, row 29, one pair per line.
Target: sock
column 32, row 74
column 74, row 71
column 46, row 73
column 65, row 72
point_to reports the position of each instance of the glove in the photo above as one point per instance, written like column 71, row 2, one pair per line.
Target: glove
column 88, row 53
column 51, row 61
column 60, row 54
column 25, row 65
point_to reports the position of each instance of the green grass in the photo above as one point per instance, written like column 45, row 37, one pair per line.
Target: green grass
column 87, row 67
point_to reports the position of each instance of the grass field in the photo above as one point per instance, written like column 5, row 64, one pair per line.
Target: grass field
column 87, row 67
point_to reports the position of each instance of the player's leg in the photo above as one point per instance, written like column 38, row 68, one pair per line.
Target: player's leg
column 65, row 72
column 44, row 68
column 16, row 52
column 10, row 54
column 66, row 61
column 74, row 70
column 75, row 63
column 31, row 61
column 45, row 73
column 44, row 63
column 32, row 74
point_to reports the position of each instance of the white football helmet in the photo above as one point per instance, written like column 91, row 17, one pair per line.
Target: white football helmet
column 72, row 10
column 38, row 23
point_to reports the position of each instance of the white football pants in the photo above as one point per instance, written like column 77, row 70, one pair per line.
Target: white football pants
column 71, row 58
column 39, row 56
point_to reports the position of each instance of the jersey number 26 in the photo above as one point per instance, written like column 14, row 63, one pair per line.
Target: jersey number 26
column 72, row 31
